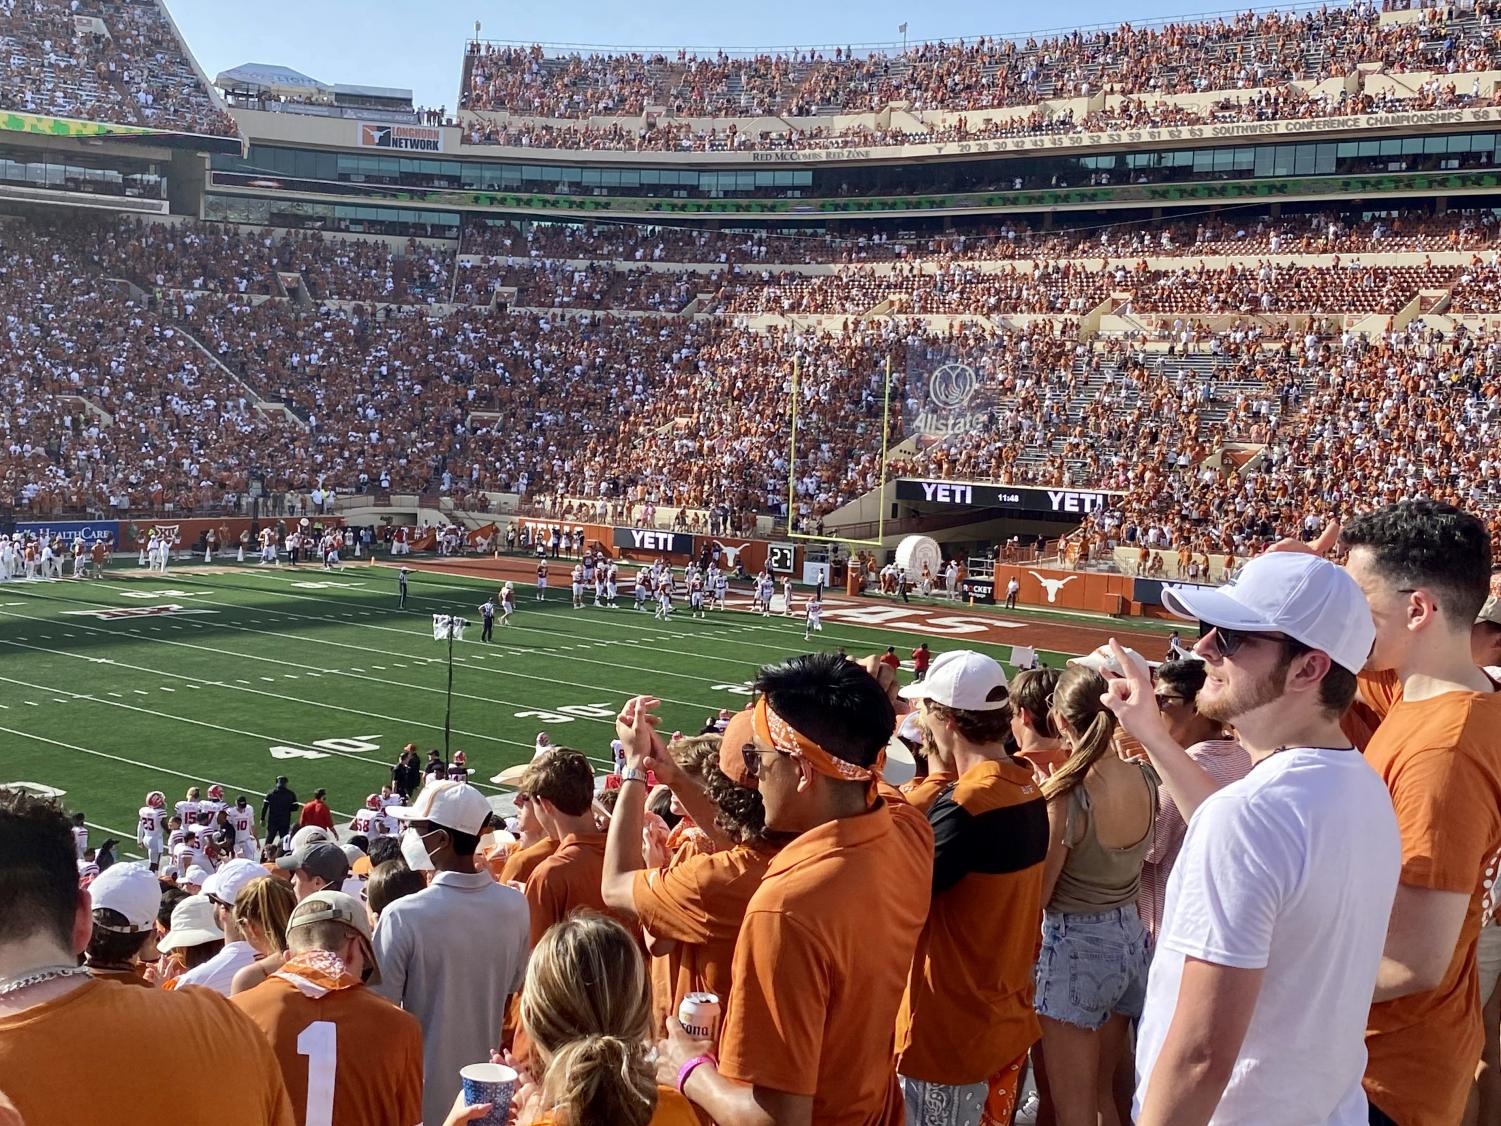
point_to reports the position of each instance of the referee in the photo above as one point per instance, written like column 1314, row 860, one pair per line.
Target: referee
column 401, row 585
column 487, row 608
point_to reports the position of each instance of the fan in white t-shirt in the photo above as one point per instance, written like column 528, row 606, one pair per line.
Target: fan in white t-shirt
column 1277, row 907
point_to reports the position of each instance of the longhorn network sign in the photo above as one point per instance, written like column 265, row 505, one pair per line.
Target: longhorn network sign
column 1015, row 498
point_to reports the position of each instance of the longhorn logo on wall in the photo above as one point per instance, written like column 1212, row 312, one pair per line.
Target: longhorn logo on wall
column 1052, row 586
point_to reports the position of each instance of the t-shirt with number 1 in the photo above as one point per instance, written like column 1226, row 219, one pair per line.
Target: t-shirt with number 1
column 347, row 1056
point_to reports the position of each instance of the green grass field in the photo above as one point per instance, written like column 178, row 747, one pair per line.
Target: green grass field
column 321, row 677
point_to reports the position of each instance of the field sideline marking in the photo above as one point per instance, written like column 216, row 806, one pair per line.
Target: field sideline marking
column 259, row 691
column 358, row 675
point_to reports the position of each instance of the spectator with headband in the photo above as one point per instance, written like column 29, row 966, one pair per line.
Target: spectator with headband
column 346, row 1053
column 1278, row 903
column 51, row 1008
column 807, row 1032
column 126, row 899
column 1092, row 969
column 1425, row 570
column 692, row 907
column 967, row 1020
column 452, row 953
column 1209, row 744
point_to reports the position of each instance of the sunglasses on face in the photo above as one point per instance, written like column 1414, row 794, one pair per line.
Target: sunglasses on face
column 1166, row 700
column 1228, row 642
column 752, row 757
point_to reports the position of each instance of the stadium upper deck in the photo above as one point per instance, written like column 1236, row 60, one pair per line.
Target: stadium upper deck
column 1258, row 66
column 117, row 62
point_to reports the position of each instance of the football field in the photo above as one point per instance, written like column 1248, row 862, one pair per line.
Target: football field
column 114, row 687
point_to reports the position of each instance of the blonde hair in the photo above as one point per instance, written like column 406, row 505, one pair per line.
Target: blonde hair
column 266, row 904
column 584, row 1008
column 1077, row 699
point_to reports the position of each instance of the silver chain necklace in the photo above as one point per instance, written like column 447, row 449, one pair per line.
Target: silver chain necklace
column 39, row 975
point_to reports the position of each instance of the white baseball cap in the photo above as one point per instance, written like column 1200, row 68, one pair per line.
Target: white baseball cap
column 196, row 874
column 131, row 889
column 227, row 882
column 961, row 679
column 1102, row 660
column 192, row 925
column 310, row 834
column 1305, row 597
column 453, row 805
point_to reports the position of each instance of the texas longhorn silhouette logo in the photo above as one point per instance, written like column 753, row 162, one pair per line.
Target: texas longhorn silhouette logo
column 1052, row 586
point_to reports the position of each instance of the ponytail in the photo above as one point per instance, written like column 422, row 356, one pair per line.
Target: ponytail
column 1077, row 699
column 601, row 1080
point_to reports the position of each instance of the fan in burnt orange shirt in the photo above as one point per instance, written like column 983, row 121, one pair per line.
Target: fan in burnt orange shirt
column 50, row 1006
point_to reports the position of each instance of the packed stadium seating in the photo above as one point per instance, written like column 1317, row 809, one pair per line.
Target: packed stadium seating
column 1255, row 58
column 400, row 374
column 117, row 61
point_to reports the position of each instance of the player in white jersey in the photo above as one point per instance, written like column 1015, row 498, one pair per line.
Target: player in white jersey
column 7, row 559
column 80, row 836
column 507, row 603
column 163, row 552
column 49, row 560
column 242, row 818
column 787, row 596
column 80, row 558
column 644, row 588
column 664, row 599
column 814, row 617
column 369, row 819
column 268, row 546
column 209, row 807
column 588, row 565
column 721, row 588
column 764, row 587
column 696, row 595
column 151, row 821
column 577, row 579
column 612, row 585
column 187, row 809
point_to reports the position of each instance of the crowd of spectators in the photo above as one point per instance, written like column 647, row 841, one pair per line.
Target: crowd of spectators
column 119, row 61
column 1040, row 859
column 1254, row 57
column 109, row 412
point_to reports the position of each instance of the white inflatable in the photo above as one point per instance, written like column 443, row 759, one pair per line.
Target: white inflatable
column 914, row 551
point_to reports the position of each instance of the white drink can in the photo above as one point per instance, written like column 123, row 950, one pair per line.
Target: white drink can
column 699, row 1015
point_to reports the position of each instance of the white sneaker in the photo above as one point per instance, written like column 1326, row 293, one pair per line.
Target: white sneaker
column 1027, row 1112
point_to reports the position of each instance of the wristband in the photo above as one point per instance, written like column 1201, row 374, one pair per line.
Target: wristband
column 691, row 1066
column 633, row 774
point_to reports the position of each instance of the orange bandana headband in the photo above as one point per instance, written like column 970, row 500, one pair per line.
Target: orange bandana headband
column 787, row 739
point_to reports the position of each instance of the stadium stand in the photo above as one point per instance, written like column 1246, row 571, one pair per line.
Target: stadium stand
column 121, row 61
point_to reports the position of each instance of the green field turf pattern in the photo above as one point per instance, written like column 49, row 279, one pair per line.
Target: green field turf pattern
column 321, row 677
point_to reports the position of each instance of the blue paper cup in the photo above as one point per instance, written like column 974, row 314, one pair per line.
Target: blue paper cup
column 489, row 1083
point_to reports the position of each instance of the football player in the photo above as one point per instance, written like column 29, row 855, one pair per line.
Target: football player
column 150, row 821
column 247, row 844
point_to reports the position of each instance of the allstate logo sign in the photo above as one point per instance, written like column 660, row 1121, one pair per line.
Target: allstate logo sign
column 951, row 386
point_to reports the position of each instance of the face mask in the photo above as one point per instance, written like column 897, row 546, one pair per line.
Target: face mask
column 414, row 852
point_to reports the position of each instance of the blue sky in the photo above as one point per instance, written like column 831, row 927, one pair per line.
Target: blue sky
column 418, row 46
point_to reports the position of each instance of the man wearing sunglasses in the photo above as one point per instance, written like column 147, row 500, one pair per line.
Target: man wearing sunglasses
column 822, row 956
column 1278, row 904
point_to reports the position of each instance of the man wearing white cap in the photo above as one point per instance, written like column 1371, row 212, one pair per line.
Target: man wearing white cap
column 126, row 899
column 967, row 1020
column 1278, row 905
column 221, row 888
column 452, row 953
column 346, row 1053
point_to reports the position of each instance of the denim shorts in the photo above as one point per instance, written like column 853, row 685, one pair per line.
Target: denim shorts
column 1092, row 966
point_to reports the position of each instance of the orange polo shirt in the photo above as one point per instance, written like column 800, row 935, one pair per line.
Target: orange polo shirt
column 518, row 867
column 236, row 1079
column 699, row 903
column 922, row 792
column 568, row 881
column 822, row 961
column 967, row 1011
